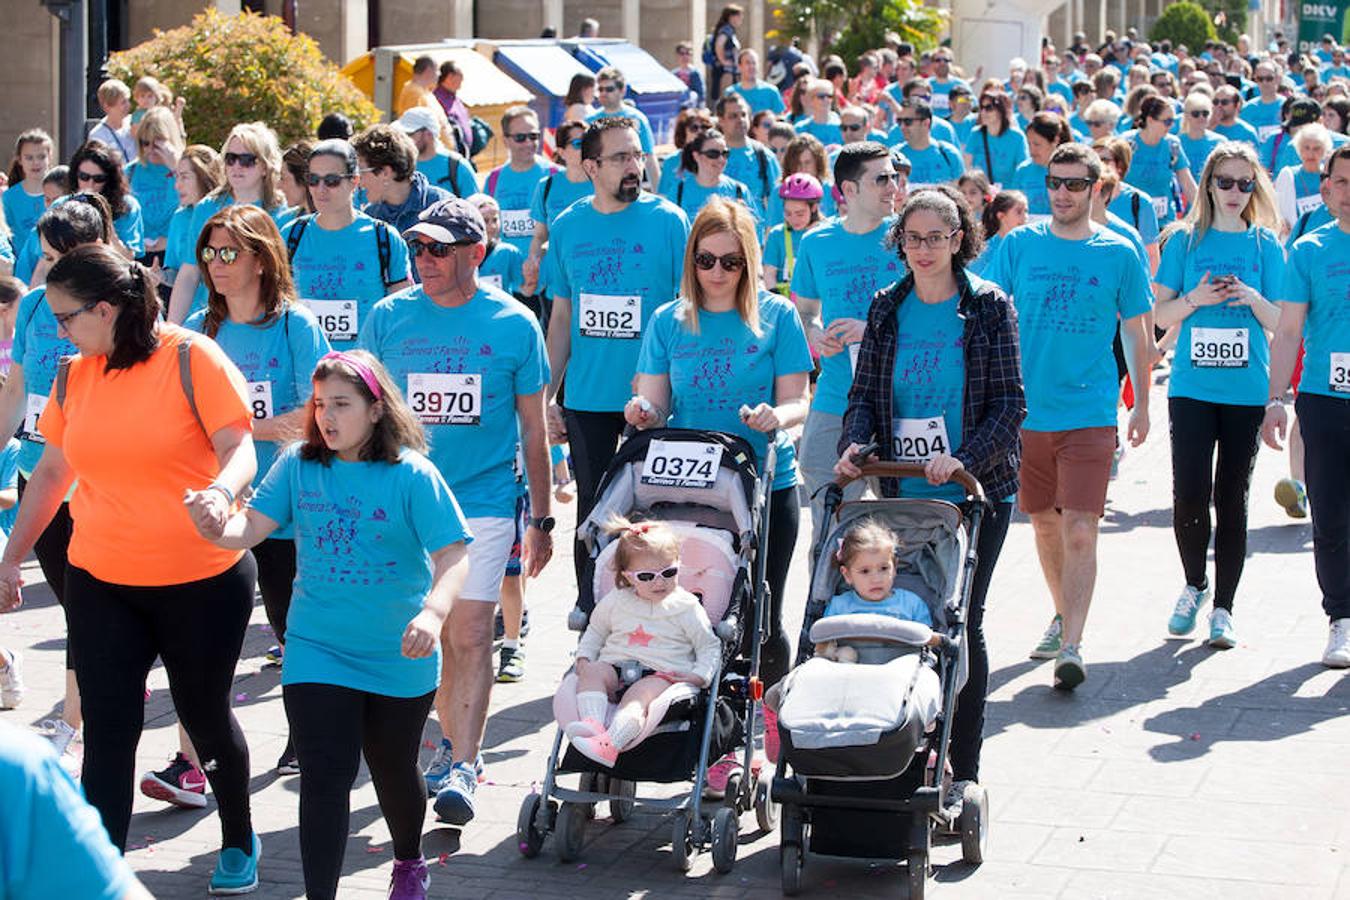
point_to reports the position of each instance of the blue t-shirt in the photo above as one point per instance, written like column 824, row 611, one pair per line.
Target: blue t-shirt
column 980, row 264
column 1318, row 218
column 937, row 163
column 1030, row 180
column 561, row 194
column 363, row 535
column 941, row 100
column 153, row 186
column 672, row 172
column 1264, row 117
column 743, row 164
column 52, row 842
column 928, row 385
column 1318, row 276
column 1139, row 213
column 22, row 209
column 1198, row 150
column 760, row 97
column 843, row 271
column 644, row 125
column 38, row 349
column 514, row 191
column 130, row 226
column 1069, row 296
column 1205, row 368
column 503, row 267
column 461, row 369
column 1238, row 131
column 828, row 132
column 725, row 366
column 181, row 246
column 1152, row 169
column 691, row 196
column 961, row 131
column 776, row 246
column 277, row 360
column 453, row 173
column 604, row 266
column 900, row 604
column 1131, row 234
column 337, row 273
column 1006, row 152
column 9, row 480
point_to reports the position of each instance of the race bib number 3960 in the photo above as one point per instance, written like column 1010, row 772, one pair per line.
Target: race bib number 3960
column 446, row 399
column 1219, row 348
column 681, row 464
column 337, row 318
column 604, row 316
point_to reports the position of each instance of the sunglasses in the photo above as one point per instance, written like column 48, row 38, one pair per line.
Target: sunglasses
column 1075, row 185
column 1199, row 114
column 987, row 107
column 905, row 123
column 95, row 177
column 713, row 154
column 524, row 137
column 1224, row 183
column 608, row 88
column 1221, row 101
column 1265, row 77
column 646, row 575
column 884, row 177
column 1098, row 123
column 823, row 96
column 247, row 160
column 64, row 319
column 438, row 249
column 328, row 181
column 732, row 262
column 695, row 126
column 226, row 255
column 1169, row 121
column 858, row 127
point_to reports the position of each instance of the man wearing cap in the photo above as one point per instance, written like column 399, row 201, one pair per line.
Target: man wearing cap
column 932, row 162
column 610, row 85
column 471, row 362
column 748, row 161
column 444, row 168
column 613, row 258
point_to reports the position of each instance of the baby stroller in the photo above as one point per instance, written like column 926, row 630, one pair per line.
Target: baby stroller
column 707, row 487
column 855, row 740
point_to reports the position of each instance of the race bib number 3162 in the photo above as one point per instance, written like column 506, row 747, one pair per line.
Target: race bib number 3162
column 446, row 399
column 603, row 316
column 681, row 464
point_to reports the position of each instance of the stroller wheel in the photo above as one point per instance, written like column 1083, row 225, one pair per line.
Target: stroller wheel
column 792, row 858
column 594, row 782
column 766, row 811
column 725, row 836
column 571, row 831
column 917, row 864
column 529, row 839
column 974, row 824
column 681, row 841
column 621, row 808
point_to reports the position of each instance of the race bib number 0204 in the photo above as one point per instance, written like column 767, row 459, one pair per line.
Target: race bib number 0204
column 337, row 318
column 446, row 399
column 917, row 441
column 603, row 316
column 1219, row 348
column 681, row 464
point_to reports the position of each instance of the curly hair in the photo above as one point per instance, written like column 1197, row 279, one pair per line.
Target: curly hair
column 949, row 204
column 115, row 189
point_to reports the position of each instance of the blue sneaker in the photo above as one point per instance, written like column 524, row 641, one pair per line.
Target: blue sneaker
column 1188, row 607
column 236, row 873
column 454, row 801
column 439, row 767
column 1221, row 633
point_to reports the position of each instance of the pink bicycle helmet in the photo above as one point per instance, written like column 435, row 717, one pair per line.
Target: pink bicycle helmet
column 801, row 186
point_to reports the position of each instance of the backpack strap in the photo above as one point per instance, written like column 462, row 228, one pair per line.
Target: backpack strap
column 548, row 186
column 296, row 233
column 452, row 174
column 988, row 159
column 762, row 157
column 1302, row 226
column 1134, row 209
column 679, row 194
column 62, row 376
column 1275, row 149
column 492, row 180
column 382, row 246
column 185, row 378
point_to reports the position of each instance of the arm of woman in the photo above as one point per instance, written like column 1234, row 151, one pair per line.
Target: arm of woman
column 42, row 497
column 210, row 507
column 791, row 397
column 1188, row 186
column 184, row 286
column 1172, row 308
column 655, row 389
column 998, row 431
column 13, row 400
column 423, row 633
column 243, row 530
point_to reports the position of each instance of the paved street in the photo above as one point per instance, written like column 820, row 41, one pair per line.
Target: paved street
column 1175, row 771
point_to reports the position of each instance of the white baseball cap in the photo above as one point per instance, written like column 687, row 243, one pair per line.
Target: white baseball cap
column 419, row 118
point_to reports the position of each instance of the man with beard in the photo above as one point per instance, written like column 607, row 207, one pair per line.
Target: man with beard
column 614, row 257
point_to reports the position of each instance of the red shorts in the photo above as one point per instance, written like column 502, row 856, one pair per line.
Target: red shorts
column 1066, row 469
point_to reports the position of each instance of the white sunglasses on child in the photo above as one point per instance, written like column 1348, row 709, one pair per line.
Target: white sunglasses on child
column 652, row 576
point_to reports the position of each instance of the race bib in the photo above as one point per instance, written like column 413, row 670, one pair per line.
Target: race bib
column 494, row 280
column 681, row 464
column 516, row 223
column 446, row 399
column 603, row 316
column 853, row 351
column 1219, row 348
column 940, row 102
column 260, row 399
column 1305, row 205
column 916, row 441
column 1160, row 207
column 337, row 318
column 1340, row 373
column 36, row 404
column 1267, row 131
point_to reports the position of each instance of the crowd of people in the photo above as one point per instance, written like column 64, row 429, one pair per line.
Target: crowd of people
column 366, row 372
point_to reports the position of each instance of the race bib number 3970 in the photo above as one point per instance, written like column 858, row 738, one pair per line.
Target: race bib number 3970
column 337, row 318
column 603, row 316
column 681, row 464
column 446, row 399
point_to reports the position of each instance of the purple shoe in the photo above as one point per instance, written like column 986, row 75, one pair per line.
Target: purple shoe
column 410, row 880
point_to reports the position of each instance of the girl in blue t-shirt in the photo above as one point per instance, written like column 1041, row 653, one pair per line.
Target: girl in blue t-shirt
column 199, row 172
column 995, row 145
column 866, row 558
column 379, row 547
column 151, row 176
column 704, row 162
column 502, row 265
column 24, row 200
column 801, row 195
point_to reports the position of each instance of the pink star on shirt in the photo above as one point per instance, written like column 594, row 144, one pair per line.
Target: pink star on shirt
column 639, row 638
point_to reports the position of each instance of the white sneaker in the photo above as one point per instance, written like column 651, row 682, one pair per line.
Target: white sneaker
column 59, row 733
column 11, row 680
column 1337, row 654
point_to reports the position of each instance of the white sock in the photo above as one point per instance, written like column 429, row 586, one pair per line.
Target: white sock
column 593, row 705
column 510, row 644
column 627, row 723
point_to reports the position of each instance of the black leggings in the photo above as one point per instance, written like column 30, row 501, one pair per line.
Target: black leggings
column 197, row 629
column 276, row 578
column 968, row 720
column 785, row 514
column 50, row 549
column 1197, row 426
column 593, row 437
column 332, row 727
column 1325, row 423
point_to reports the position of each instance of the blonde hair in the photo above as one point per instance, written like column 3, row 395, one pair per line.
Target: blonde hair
column 113, row 90
column 637, row 538
column 720, row 216
column 1259, row 211
column 163, row 96
column 158, row 123
column 261, row 141
column 867, row 534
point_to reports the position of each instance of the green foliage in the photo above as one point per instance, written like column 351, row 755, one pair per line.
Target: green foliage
column 244, row 68
column 1229, row 17
column 851, row 27
column 1184, row 23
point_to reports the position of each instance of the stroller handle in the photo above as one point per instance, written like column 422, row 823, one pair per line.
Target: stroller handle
column 880, row 469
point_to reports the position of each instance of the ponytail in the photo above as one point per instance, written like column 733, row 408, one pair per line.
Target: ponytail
column 96, row 273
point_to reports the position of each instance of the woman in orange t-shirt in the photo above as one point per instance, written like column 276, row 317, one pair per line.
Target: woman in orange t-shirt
column 140, row 581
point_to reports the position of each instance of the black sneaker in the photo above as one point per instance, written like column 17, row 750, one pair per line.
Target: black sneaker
column 287, row 764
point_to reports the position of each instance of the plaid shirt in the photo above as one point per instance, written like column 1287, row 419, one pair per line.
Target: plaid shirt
column 994, row 403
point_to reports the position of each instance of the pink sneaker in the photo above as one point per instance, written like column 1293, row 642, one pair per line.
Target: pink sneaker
column 583, row 728
column 597, row 747
column 771, row 741
column 410, row 880
column 720, row 772
column 181, row 784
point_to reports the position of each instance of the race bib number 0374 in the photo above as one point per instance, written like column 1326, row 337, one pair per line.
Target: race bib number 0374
column 681, row 464
column 446, row 399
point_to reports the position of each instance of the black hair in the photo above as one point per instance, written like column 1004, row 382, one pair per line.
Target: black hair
column 79, row 219
column 695, row 145
column 338, row 149
column 115, row 189
column 96, row 273
column 1050, row 126
column 921, row 108
column 1339, row 153
column 57, row 175
column 591, row 140
column 335, row 125
column 1002, row 202
column 948, row 203
column 848, row 165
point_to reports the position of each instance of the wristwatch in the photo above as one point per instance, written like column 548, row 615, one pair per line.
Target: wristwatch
column 543, row 523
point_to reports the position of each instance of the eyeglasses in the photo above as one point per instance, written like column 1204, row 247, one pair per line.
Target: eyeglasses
column 247, row 160
column 987, row 107
column 608, row 88
column 695, row 126
column 1075, row 185
column 732, row 262
column 1199, row 114
column 226, row 255
column 905, row 123
column 860, row 126
column 1169, row 121
column 575, row 143
column 438, row 249
column 931, row 241
column 1098, row 123
column 64, row 319
column 942, row 59
column 713, row 154
column 1265, row 77
column 95, row 177
column 646, row 576
column 328, row 181
column 524, row 137
column 1224, row 101
column 1224, row 183
column 623, row 159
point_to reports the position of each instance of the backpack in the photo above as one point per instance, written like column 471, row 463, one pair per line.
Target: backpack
column 451, row 176
column 382, row 243
column 184, row 378
column 482, row 136
column 762, row 157
column 709, row 56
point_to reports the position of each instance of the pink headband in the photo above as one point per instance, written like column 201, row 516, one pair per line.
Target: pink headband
column 366, row 372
